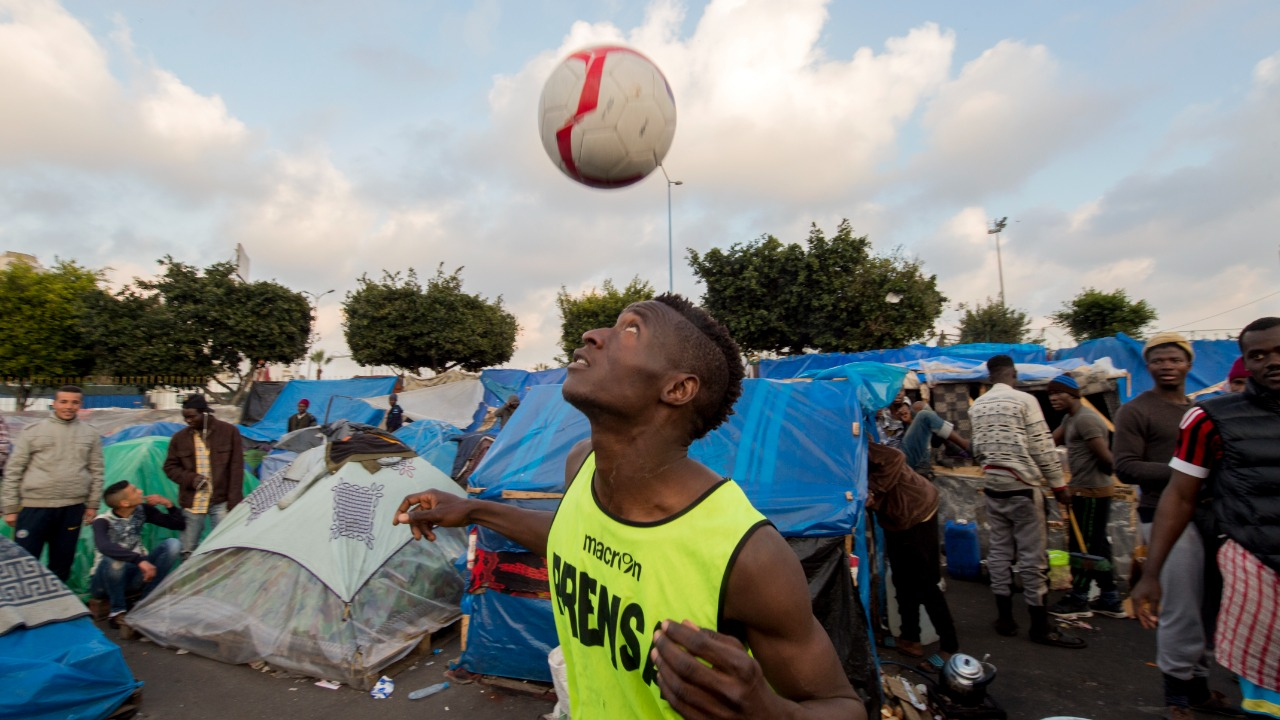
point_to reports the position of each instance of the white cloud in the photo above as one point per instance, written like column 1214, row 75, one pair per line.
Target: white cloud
column 63, row 105
column 1008, row 113
column 773, row 132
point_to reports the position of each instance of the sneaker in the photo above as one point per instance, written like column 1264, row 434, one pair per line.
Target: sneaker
column 1070, row 607
column 1114, row 609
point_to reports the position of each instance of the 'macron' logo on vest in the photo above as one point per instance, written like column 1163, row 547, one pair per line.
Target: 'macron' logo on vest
column 597, row 616
column 615, row 559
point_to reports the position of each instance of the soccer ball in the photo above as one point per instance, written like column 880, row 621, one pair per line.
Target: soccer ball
column 606, row 116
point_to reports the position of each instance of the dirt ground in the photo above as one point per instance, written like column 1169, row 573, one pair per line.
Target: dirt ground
column 1113, row 679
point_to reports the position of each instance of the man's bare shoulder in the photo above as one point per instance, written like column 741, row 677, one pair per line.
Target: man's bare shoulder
column 577, row 455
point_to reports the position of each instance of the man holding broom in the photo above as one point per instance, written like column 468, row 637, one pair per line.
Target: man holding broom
column 1084, row 433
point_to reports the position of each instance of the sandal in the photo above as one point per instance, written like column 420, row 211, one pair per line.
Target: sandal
column 910, row 648
column 932, row 664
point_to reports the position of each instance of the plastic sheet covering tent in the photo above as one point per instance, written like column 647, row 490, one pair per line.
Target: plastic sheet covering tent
column 799, row 365
column 454, row 403
column 54, row 663
column 262, row 393
column 162, row 429
column 434, row 440
column 310, row 575
column 1212, row 362
column 330, row 400
column 501, row 384
column 790, row 445
column 141, row 462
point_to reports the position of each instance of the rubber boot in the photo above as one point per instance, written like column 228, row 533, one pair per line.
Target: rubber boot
column 1005, row 624
column 1042, row 633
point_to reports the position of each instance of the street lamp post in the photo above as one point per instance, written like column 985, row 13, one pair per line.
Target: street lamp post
column 313, row 337
column 996, row 228
column 671, row 267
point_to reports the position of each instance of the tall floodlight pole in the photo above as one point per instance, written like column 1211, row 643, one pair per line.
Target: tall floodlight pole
column 671, row 267
column 996, row 228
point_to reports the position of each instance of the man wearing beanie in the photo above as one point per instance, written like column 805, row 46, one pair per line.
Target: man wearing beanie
column 1012, row 441
column 1145, row 439
column 206, row 460
column 302, row 418
column 1238, row 377
column 1084, row 433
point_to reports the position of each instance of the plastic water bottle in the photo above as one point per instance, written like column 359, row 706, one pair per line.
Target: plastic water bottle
column 428, row 691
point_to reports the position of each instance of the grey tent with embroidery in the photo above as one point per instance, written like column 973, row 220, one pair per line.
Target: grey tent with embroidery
column 310, row 575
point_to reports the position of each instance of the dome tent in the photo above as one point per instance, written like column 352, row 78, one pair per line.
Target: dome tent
column 310, row 575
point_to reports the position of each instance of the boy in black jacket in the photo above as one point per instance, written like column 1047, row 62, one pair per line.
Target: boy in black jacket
column 123, row 565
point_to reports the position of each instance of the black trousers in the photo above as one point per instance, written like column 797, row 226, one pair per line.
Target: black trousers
column 914, row 558
column 59, row 528
column 1092, row 514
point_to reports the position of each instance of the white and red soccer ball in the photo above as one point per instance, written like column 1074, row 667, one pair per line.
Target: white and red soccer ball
column 606, row 116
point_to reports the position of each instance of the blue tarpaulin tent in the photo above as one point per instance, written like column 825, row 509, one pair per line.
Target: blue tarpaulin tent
column 799, row 365
column 433, row 440
column 1212, row 362
column 791, row 446
column 163, row 429
column 330, row 400
column 54, row 663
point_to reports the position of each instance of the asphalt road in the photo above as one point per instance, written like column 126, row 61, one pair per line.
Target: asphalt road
column 1113, row 679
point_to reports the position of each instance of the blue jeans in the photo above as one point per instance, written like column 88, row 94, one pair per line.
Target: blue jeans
column 116, row 579
column 195, row 525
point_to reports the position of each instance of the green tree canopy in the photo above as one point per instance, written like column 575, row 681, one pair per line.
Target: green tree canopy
column 832, row 295
column 192, row 322
column 44, row 320
column 993, row 322
column 1095, row 314
column 401, row 323
column 595, row 309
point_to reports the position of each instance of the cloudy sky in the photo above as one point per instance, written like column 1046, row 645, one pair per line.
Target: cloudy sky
column 1131, row 145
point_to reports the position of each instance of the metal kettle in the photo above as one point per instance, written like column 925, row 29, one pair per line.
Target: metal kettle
column 965, row 678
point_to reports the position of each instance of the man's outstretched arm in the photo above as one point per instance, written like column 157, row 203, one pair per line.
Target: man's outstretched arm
column 425, row 511
column 794, row 673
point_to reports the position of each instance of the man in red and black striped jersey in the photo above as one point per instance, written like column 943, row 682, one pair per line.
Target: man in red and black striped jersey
column 1230, row 445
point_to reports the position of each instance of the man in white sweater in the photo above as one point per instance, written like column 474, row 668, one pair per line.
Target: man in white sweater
column 1012, row 442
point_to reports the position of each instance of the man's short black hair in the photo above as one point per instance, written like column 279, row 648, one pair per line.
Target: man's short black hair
column 999, row 362
column 1263, row 323
column 705, row 349
column 70, row 389
column 112, row 492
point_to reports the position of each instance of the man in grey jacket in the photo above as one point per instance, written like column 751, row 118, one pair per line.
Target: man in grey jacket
column 53, row 482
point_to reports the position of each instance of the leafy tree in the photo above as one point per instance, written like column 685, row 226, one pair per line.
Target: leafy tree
column 595, row 309
column 44, row 317
column 993, row 322
column 401, row 323
column 832, row 295
column 212, row 322
column 1095, row 314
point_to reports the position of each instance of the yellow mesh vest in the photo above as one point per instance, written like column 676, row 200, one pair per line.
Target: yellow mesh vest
column 613, row 582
